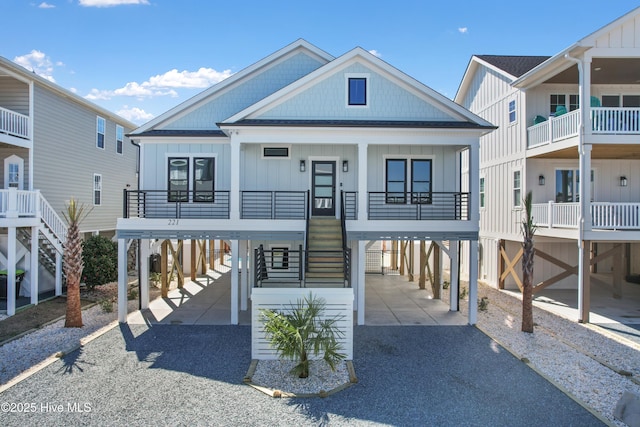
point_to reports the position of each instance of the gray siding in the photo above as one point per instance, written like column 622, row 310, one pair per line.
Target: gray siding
column 14, row 95
column 66, row 158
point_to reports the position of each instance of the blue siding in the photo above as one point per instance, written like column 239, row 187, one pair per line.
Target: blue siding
column 327, row 100
column 246, row 94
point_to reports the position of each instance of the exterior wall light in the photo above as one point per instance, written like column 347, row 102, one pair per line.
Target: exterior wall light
column 345, row 166
column 623, row 181
column 541, row 180
column 302, row 166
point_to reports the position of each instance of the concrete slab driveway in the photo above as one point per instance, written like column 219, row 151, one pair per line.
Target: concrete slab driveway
column 192, row 375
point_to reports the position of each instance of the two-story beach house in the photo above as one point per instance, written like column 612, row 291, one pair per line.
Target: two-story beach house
column 569, row 129
column 54, row 145
column 297, row 162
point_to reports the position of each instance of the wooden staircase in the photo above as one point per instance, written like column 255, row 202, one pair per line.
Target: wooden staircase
column 325, row 266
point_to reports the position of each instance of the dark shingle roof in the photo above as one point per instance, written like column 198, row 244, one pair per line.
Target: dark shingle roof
column 514, row 65
column 181, row 132
column 363, row 123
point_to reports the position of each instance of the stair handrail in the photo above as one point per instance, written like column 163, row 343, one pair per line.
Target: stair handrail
column 346, row 252
column 52, row 220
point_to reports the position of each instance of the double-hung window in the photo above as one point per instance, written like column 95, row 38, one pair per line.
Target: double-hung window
column 512, row 111
column 100, row 127
column 191, row 175
column 517, row 189
column 482, row 192
column 97, row 189
column 119, row 138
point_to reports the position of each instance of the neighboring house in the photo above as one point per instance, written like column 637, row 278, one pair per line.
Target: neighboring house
column 55, row 145
column 575, row 114
column 298, row 161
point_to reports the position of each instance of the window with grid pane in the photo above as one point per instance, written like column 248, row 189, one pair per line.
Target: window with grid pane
column 100, row 127
column 119, row 138
column 97, row 189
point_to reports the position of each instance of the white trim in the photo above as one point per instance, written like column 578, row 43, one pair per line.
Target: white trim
column 104, row 132
column 407, row 157
column 121, row 128
column 482, row 192
column 338, row 169
column 367, row 81
column 99, row 188
column 287, row 146
column 13, row 159
column 515, row 206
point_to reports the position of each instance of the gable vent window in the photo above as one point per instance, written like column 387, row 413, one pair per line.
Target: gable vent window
column 357, row 91
column 277, row 152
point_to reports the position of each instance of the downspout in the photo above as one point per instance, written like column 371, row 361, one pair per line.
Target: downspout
column 583, row 183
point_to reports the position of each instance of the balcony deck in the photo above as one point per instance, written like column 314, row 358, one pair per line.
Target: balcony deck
column 604, row 216
column 14, row 124
column 604, row 121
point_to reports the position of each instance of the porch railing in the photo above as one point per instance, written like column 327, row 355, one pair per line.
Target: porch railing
column 350, row 204
column 604, row 121
column 418, row 206
column 553, row 130
column 273, row 204
column 604, row 215
column 176, row 204
column 14, row 124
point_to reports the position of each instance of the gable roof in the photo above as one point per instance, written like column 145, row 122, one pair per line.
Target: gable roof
column 237, row 78
column 435, row 98
column 514, row 65
column 17, row 71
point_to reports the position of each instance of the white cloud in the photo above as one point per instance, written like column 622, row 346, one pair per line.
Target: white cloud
column 109, row 3
column 463, row 30
column 375, row 53
column 134, row 114
column 37, row 62
column 164, row 84
column 45, row 5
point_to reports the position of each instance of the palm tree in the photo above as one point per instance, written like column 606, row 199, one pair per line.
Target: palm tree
column 528, row 230
column 73, row 264
column 301, row 332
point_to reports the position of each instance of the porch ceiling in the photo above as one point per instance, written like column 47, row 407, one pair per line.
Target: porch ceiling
column 598, row 152
column 610, row 71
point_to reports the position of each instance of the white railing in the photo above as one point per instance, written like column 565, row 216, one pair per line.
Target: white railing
column 555, row 129
column 13, row 123
column 609, row 120
column 604, row 215
column 52, row 220
column 615, row 216
column 19, row 203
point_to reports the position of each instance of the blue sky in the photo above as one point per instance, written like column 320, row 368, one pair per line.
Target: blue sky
column 140, row 58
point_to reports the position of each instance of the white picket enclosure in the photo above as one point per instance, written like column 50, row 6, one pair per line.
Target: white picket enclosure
column 338, row 302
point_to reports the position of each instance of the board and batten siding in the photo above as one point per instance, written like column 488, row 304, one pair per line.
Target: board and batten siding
column 156, row 156
column 14, row 95
column 239, row 97
column 327, row 100
column 66, row 159
column 626, row 35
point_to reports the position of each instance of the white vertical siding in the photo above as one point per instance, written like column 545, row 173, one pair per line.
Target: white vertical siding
column 627, row 35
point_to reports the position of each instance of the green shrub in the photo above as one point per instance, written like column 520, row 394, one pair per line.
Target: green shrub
column 100, row 257
column 107, row 305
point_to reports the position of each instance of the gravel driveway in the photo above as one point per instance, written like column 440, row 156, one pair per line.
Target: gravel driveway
column 192, row 375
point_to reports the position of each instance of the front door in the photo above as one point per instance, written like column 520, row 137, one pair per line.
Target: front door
column 323, row 188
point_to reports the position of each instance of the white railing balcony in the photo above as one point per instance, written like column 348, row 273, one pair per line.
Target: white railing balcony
column 14, row 124
column 553, row 130
column 616, row 121
column 18, row 203
column 604, row 215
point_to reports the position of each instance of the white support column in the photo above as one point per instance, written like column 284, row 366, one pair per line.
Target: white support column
column 234, row 194
column 361, row 254
column 473, row 282
column 362, row 182
column 234, row 281
column 11, row 271
column 145, row 252
column 244, row 277
column 122, row 281
column 33, row 267
column 454, row 285
column 58, row 274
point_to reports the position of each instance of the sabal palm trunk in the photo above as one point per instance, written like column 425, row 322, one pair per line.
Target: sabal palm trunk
column 73, row 269
column 527, row 285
